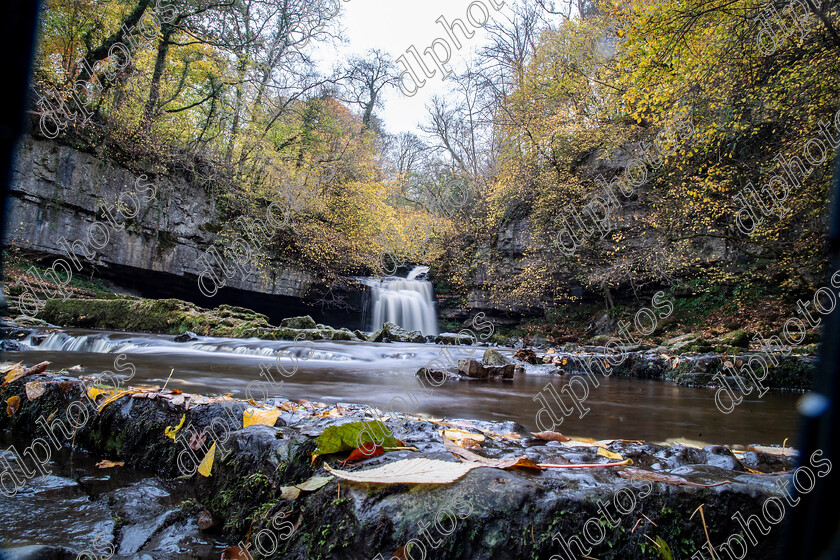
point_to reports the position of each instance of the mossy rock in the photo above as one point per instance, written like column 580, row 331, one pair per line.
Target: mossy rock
column 738, row 338
column 305, row 322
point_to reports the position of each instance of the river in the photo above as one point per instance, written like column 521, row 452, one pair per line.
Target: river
column 376, row 374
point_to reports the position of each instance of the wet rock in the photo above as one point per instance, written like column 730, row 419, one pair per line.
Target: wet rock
column 360, row 335
column 434, row 375
column 493, row 358
column 142, row 511
column 454, row 339
column 305, row 322
column 680, row 343
column 207, row 521
column 186, row 337
column 766, row 463
column 472, row 369
column 526, row 355
column 37, row 552
column 13, row 346
column 501, row 509
column 476, row 370
column 394, row 333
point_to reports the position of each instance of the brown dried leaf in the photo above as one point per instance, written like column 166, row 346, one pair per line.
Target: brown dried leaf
column 197, row 441
column 550, row 436
column 12, row 405
column 468, row 443
column 235, row 553
column 35, row 389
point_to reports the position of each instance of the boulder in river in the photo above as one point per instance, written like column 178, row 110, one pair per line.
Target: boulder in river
column 526, row 355
column 305, row 322
column 186, row 337
column 476, row 370
column 394, row 333
column 434, row 376
column 493, row 358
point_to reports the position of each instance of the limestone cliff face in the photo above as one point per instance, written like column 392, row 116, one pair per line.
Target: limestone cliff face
column 59, row 192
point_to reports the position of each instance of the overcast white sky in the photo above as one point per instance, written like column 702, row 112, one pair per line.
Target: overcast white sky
column 393, row 26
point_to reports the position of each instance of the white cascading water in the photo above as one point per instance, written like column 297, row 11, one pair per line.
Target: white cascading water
column 407, row 302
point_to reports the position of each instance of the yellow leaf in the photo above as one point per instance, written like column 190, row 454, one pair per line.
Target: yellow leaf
column 253, row 417
column 609, row 454
column 106, row 464
column 207, row 463
column 172, row 431
column 93, row 392
column 12, row 405
column 458, row 435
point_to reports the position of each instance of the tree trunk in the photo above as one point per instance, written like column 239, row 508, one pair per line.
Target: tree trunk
column 160, row 66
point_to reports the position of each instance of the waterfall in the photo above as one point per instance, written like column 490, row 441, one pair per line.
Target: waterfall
column 407, row 302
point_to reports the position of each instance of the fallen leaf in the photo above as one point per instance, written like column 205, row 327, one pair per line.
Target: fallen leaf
column 310, row 485
column 314, row 483
column 172, row 431
column 519, row 462
column 347, row 437
column 12, row 405
column 12, row 372
column 9, row 366
column 609, row 454
column 197, row 441
column 235, row 553
column 93, row 392
column 458, row 435
column 15, row 373
column 550, row 436
column 289, row 492
column 357, row 454
column 207, row 463
column 259, row 417
column 468, row 443
column 288, row 406
column 409, row 471
column 106, row 464
column 35, row 389
column 778, row 451
column 117, row 395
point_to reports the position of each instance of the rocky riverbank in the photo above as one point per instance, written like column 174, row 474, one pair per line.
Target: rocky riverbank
column 280, row 484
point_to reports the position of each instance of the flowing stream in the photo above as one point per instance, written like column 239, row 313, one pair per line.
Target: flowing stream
column 382, row 375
